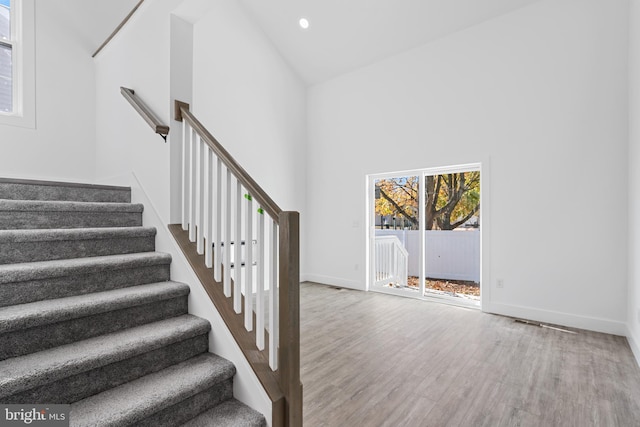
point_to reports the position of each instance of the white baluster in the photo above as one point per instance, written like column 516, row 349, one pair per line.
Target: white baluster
column 248, row 262
column 273, row 297
column 227, row 237
column 394, row 262
column 380, row 266
column 260, row 282
column 387, row 263
column 381, row 261
column 199, row 195
column 208, row 207
column 192, row 186
column 375, row 260
column 387, row 268
column 217, row 222
column 237, row 244
column 186, row 129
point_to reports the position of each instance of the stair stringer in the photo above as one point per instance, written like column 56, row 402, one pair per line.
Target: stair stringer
column 246, row 385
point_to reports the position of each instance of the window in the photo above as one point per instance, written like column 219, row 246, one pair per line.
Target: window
column 6, row 63
column 17, row 63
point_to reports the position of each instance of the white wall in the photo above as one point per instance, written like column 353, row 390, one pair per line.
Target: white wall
column 541, row 93
column 138, row 58
column 633, row 312
column 181, row 89
column 61, row 147
column 251, row 101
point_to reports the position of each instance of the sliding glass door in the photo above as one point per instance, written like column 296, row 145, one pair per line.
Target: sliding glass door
column 424, row 238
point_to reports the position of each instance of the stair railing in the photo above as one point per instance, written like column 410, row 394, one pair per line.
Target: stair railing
column 256, row 290
column 391, row 262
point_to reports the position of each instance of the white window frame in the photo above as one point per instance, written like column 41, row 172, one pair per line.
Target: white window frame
column 23, row 61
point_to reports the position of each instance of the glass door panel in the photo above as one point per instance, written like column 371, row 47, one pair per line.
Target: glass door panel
column 396, row 249
column 452, row 236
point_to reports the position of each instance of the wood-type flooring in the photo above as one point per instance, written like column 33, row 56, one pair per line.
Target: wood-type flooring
column 370, row 359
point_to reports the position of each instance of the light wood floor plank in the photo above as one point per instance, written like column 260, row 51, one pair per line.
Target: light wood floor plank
column 370, row 359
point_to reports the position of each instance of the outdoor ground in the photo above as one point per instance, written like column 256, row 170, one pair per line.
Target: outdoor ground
column 452, row 287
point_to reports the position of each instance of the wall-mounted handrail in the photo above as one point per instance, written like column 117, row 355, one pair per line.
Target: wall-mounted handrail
column 259, row 295
column 145, row 112
column 118, row 28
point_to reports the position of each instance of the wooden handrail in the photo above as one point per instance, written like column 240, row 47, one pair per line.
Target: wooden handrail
column 145, row 112
column 118, row 28
column 238, row 171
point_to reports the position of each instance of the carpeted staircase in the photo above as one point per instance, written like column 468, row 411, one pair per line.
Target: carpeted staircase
column 89, row 316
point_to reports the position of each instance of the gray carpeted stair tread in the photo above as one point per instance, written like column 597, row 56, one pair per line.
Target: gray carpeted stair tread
column 30, row 214
column 45, row 269
column 18, row 246
column 88, row 315
column 68, row 206
column 51, row 190
column 39, row 313
column 231, row 413
column 52, row 234
column 134, row 401
column 32, row 370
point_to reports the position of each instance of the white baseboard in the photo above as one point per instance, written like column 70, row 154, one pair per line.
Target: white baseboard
column 595, row 324
column 332, row 281
column 634, row 343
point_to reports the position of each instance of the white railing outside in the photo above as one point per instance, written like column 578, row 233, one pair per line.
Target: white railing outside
column 392, row 262
column 219, row 213
column 452, row 255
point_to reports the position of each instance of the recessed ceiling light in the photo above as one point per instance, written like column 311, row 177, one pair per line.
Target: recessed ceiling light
column 304, row 23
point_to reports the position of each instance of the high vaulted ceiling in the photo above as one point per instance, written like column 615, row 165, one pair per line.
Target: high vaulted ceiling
column 347, row 34
column 343, row 35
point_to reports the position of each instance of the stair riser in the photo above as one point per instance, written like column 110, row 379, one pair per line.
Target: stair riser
column 181, row 412
column 17, row 191
column 51, row 250
column 80, row 284
column 21, row 220
column 78, row 386
column 25, row 341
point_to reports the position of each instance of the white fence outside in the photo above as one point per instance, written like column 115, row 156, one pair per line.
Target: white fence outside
column 453, row 255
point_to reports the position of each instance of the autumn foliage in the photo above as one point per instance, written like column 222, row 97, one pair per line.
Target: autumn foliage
column 450, row 199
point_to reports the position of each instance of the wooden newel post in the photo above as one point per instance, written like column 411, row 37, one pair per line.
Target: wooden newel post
column 289, row 301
